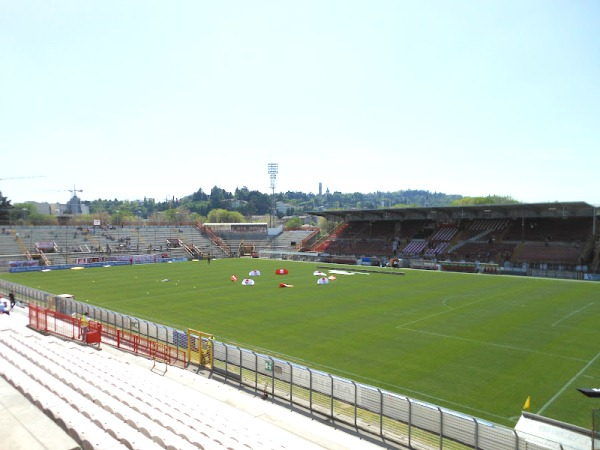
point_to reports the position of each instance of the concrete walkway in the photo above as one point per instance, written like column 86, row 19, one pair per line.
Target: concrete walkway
column 25, row 427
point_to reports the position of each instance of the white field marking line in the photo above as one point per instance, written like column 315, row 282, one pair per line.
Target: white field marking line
column 564, row 388
column 445, row 301
column 402, row 325
column 491, row 344
column 573, row 313
column 356, row 377
column 162, row 294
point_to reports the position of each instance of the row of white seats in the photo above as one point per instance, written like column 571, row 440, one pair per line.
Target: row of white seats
column 109, row 399
column 89, row 392
column 149, row 395
column 90, row 434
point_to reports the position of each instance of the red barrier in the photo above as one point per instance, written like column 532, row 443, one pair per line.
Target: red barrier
column 49, row 321
column 94, row 335
column 134, row 343
column 52, row 322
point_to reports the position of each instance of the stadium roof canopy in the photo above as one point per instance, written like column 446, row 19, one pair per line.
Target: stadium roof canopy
column 509, row 211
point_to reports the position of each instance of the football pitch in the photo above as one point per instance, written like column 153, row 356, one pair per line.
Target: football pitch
column 477, row 344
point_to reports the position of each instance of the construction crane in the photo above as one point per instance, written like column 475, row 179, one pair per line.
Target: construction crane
column 72, row 191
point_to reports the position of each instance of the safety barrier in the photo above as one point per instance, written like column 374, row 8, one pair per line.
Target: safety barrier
column 68, row 326
column 393, row 417
column 150, row 348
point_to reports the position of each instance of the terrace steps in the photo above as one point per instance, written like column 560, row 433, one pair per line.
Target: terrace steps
column 106, row 399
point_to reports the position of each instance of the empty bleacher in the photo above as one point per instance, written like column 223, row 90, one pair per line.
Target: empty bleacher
column 72, row 242
column 360, row 238
column 531, row 240
column 107, row 399
column 414, row 248
column 440, row 240
column 547, row 241
column 548, row 253
column 288, row 240
column 496, row 253
column 557, row 230
column 8, row 243
column 481, row 240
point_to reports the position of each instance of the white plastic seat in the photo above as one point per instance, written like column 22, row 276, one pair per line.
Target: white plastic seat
column 66, row 404
column 62, row 377
column 76, row 425
column 181, row 427
column 96, row 387
column 99, row 393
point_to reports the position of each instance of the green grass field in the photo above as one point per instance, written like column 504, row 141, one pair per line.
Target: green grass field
column 478, row 344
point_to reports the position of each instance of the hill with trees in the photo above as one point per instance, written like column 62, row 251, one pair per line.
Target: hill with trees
column 222, row 206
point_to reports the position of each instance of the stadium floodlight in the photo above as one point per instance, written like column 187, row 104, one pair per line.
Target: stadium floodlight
column 273, row 169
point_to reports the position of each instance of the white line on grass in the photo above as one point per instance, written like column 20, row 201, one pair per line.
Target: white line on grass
column 564, row 388
column 508, row 347
column 445, row 301
column 357, row 377
column 573, row 313
column 402, row 325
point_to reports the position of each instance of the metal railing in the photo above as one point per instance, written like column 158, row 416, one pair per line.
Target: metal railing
column 394, row 418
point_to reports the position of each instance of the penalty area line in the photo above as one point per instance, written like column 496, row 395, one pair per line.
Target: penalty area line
column 457, row 308
column 573, row 313
column 569, row 383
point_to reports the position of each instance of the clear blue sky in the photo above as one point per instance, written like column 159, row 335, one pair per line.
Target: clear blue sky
column 126, row 99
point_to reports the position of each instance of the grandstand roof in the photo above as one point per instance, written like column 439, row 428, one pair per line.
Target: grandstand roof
column 509, row 211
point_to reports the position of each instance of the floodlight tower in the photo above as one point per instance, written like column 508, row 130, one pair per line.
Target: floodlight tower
column 273, row 168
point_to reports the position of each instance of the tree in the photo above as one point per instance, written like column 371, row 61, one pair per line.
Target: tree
column 201, row 208
column 293, row 223
column 327, row 226
column 26, row 213
column 242, row 194
column 170, row 215
column 217, row 196
column 223, row 216
column 5, row 208
column 489, row 200
column 199, row 196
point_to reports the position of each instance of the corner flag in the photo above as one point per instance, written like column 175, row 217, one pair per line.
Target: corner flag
column 527, row 404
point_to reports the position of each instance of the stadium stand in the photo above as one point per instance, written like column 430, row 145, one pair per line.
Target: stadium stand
column 107, row 399
column 547, row 236
column 26, row 243
column 483, row 251
column 543, row 237
column 413, row 248
column 549, row 253
column 289, row 239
